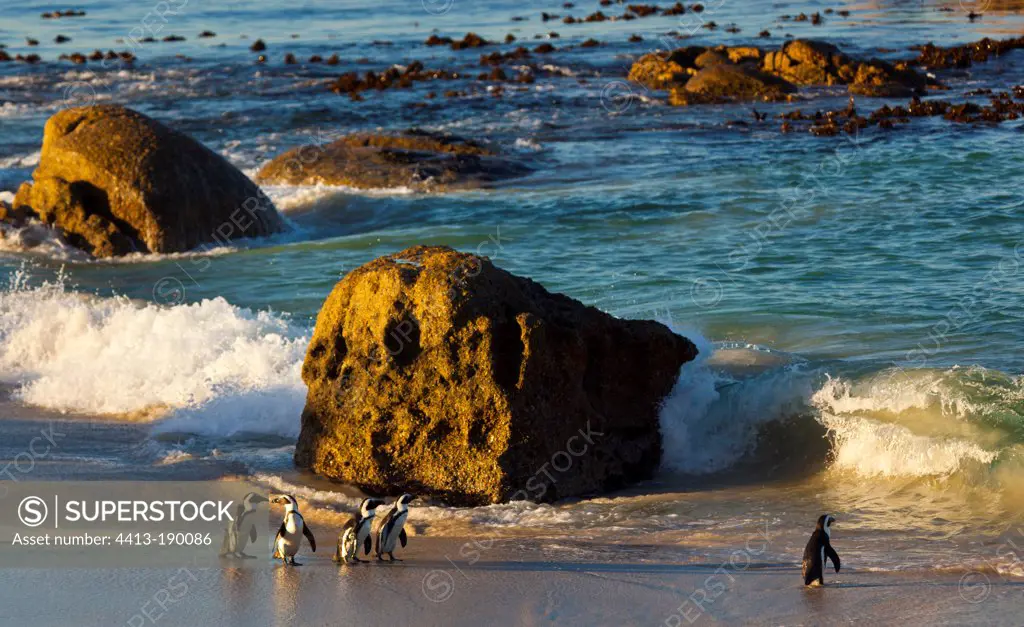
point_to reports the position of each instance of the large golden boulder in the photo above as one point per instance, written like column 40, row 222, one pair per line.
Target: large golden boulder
column 434, row 371
column 115, row 181
column 417, row 160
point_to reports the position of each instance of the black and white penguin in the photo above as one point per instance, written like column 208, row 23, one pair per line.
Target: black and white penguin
column 392, row 528
column 356, row 533
column 293, row 527
column 242, row 530
column 818, row 549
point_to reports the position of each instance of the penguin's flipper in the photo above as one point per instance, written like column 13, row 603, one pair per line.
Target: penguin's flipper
column 281, row 531
column 367, row 545
column 832, row 555
column 252, row 533
column 404, row 539
column 309, row 536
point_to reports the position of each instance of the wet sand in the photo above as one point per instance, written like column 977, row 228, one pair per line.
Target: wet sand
column 501, row 588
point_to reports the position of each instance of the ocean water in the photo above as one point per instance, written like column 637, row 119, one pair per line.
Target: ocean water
column 858, row 300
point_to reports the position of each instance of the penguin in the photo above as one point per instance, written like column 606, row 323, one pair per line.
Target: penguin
column 242, row 530
column 392, row 528
column 293, row 527
column 818, row 549
column 356, row 533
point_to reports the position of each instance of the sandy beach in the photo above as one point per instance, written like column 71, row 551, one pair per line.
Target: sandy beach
column 502, row 588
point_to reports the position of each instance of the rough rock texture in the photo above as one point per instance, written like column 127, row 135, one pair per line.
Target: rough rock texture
column 878, row 78
column 115, row 181
column 807, row 62
column 727, row 83
column 654, row 71
column 433, row 371
column 415, row 159
column 711, row 57
column 739, row 54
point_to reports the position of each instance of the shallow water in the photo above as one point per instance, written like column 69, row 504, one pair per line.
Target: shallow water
column 860, row 297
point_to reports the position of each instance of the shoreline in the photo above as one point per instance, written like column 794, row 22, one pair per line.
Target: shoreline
column 519, row 589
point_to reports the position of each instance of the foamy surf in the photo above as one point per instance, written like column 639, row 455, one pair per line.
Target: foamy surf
column 208, row 368
column 963, row 422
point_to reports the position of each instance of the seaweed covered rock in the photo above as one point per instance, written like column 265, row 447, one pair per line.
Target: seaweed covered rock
column 729, row 83
column 419, row 160
column 435, row 371
column 115, row 181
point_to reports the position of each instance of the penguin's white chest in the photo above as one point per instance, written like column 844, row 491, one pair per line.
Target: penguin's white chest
column 363, row 530
column 392, row 538
column 288, row 542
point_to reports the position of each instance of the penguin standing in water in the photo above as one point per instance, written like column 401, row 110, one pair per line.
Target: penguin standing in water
column 293, row 527
column 242, row 530
column 818, row 549
column 392, row 528
column 356, row 533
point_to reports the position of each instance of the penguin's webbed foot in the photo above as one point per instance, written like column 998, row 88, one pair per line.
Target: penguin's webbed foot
column 393, row 558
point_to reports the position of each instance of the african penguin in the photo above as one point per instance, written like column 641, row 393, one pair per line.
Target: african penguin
column 242, row 530
column 392, row 528
column 356, row 533
column 818, row 549
column 293, row 527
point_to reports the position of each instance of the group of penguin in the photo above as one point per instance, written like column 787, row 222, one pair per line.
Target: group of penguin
column 391, row 531
column 354, row 535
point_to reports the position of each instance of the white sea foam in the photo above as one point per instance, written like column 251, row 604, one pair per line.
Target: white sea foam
column 866, row 443
column 20, row 161
column 874, row 448
column 38, row 239
column 710, row 420
column 517, row 514
column 892, row 423
column 290, row 198
column 214, row 368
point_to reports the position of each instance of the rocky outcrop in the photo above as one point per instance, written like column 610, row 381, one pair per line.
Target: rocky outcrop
column 435, row 371
column 659, row 70
column 807, row 62
column 727, row 83
column 415, row 159
column 881, row 79
column 114, row 181
column 655, row 71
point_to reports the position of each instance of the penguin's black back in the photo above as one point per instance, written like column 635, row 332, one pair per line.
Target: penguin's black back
column 814, row 563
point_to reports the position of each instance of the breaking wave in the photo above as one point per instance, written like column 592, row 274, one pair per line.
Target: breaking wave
column 209, row 368
column 885, row 422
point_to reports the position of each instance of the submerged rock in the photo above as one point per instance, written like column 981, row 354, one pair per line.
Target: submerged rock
column 878, row 78
column 115, row 181
column 728, row 83
column 415, row 159
column 435, row 371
